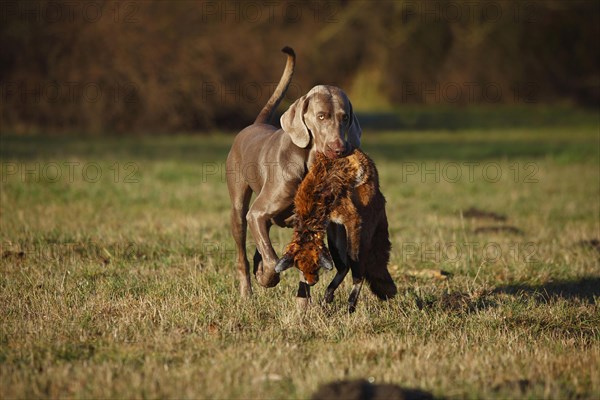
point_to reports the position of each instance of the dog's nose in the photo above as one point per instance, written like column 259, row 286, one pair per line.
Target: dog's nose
column 339, row 149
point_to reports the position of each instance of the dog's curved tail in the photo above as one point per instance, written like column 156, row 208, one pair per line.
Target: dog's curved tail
column 267, row 112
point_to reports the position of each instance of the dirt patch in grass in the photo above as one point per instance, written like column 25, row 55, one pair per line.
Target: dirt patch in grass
column 476, row 213
column 499, row 229
column 456, row 302
column 13, row 255
column 481, row 214
column 590, row 244
column 520, row 385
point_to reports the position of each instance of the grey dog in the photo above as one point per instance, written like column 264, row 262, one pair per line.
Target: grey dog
column 271, row 163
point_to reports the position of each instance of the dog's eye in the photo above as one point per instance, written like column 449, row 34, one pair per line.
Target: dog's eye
column 345, row 117
column 321, row 117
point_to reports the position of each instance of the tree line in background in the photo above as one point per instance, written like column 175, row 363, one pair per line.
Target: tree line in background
column 142, row 66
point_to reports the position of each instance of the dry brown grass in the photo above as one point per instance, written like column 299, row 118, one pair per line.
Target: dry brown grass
column 128, row 290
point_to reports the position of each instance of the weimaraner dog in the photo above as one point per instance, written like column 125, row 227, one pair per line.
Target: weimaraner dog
column 271, row 163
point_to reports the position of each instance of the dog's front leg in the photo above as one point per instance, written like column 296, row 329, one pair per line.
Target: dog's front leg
column 259, row 218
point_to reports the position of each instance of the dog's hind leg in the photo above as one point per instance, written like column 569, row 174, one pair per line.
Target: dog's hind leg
column 240, row 198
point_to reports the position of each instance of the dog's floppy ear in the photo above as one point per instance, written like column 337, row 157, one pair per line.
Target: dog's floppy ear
column 292, row 121
column 284, row 263
column 354, row 131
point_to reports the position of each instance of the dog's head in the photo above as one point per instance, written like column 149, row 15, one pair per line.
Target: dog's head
column 308, row 253
column 324, row 116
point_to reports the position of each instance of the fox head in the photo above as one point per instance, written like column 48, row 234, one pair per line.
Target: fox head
column 308, row 253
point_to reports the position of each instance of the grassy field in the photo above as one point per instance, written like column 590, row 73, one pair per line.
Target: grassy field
column 118, row 279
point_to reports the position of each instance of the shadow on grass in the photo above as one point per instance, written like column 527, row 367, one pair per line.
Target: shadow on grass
column 363, row 390
column 585, row 289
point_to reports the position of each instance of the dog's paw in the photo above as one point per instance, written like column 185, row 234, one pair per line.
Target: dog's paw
column 267, row 277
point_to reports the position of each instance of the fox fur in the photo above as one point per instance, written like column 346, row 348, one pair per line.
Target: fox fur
column 344, row 191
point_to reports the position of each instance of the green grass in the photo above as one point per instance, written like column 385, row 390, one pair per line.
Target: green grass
column 124, row 285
